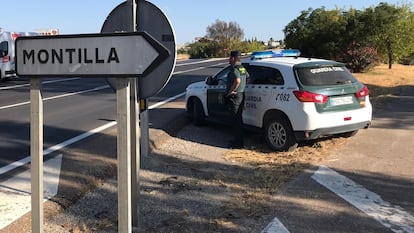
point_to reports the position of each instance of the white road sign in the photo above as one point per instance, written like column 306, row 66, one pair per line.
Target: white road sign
column 117, row 54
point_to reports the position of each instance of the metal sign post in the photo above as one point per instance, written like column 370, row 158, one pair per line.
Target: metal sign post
column 135, row 132
column 124, row 154
column 121, row 55
column 36, row 154
column 135, row 151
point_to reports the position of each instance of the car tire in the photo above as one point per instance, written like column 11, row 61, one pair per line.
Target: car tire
column 279, row 134
column 198, row 116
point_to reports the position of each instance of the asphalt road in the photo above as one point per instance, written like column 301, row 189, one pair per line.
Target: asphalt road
column 79, row 115
column 64, row 116
column 72, row 107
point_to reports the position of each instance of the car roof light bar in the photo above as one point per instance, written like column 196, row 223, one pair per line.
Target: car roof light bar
column 287, row 53
column 275, row 53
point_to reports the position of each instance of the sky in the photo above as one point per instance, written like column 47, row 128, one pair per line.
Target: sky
column 260, row 19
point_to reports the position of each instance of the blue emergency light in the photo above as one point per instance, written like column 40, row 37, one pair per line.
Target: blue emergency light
column 275, row 53
column 286, row 53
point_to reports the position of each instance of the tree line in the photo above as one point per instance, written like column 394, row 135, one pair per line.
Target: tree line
column 360, row 38
column 382, row 33
column 221, row 38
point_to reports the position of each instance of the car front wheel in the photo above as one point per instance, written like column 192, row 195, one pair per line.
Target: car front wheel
column 279, row 134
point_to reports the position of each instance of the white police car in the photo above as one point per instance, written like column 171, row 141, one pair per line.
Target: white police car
column 290, row 98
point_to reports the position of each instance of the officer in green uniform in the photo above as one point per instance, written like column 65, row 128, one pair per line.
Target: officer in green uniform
column 236, row 82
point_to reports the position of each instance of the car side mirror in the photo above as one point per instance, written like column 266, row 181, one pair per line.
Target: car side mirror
column 4, row 48
column 3, row 53
column 211, row 81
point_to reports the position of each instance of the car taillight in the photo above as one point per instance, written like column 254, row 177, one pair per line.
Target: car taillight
column 361, row 94
column 5, row 59
column 305, row 96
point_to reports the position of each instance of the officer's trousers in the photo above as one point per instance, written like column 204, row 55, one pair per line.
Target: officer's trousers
column 236, row 105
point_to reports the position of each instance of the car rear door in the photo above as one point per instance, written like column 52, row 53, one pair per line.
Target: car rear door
column 263, row 83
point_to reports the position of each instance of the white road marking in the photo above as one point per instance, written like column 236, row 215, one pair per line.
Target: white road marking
column 166, row 101
column 186, row 71
column 275, row 227
column 56, row 97
column 199, row 62
column 57, row 147
column 393, row 217
column 198, row 68
column 45, row 82
column 15, row 192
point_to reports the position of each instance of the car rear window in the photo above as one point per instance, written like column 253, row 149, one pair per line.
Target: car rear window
column 324, row 75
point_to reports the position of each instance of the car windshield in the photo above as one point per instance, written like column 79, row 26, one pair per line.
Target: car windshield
column 324, row 75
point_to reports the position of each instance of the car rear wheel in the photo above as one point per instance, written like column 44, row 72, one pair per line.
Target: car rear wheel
column 279, row 134
column 198, row 115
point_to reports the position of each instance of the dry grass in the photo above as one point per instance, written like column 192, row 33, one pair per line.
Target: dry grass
column 252, row 195
column 384, row 83
column 382, row 77
column 182, row 56
column 271, row 169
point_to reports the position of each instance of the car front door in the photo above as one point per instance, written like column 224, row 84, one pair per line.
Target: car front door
column 216, row 104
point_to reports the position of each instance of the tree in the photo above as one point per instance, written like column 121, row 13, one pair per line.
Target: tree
column 297, row 33
column 229, row 35
column 317, row 33
column 327, row 34
column 391, row 30
column 253, row 45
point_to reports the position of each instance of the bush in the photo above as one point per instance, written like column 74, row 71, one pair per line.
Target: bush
column 360, row 58
column 204, row 49
column 409, row 60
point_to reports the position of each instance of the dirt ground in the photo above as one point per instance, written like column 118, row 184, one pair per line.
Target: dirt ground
column 194, row 183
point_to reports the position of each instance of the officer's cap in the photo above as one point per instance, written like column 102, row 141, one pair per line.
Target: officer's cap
column 235, row 53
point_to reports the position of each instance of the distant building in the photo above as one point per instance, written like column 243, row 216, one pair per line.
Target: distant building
column 48, row 32
column 275, row 44
column 204, row 38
